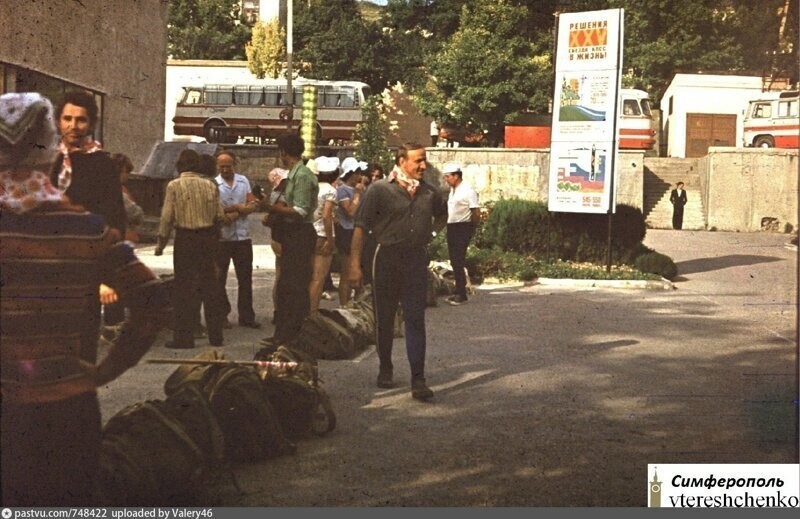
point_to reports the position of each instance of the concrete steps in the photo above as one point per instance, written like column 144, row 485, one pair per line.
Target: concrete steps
column 660, row 177
column 660, row 217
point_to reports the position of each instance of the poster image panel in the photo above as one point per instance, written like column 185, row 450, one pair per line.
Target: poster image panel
column 585, row 102
column 582, row 178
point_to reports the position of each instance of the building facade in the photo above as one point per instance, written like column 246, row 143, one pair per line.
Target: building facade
column 115, row 49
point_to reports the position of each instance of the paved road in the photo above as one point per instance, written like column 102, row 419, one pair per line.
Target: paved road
column 548, row 396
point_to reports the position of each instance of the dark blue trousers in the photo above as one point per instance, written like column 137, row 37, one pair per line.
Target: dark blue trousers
column 458, row 236
column 400, row 276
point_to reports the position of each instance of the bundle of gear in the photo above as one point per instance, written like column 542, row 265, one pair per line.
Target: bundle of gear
column 216, row 412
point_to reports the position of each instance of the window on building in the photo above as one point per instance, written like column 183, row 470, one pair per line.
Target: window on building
column 19, row 79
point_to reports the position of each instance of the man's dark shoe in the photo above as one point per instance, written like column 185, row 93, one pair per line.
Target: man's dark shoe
column 175, row 346
column 385, row 380
column 420, row 390
column 250, row 324
column 456, row 300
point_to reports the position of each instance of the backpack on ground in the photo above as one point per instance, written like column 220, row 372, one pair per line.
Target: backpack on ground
column 301, row 405
column 149, row 457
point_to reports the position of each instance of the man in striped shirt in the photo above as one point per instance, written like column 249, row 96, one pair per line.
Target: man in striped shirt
column 53, row 258
column 191, row 205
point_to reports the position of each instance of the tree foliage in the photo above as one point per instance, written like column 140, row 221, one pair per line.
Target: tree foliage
column 467, row 89
column 266, row 50
column 206, row 29
column 372, row 134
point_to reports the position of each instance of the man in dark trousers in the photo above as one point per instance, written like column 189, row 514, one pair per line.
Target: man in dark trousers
column 678, row 199
column 402, row 212
column 463, row 214
column 298, row 239
column 54, row 256
column 191, row 205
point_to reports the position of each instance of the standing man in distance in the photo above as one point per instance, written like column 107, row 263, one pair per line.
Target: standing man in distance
column 402, row 213
column 191, row 204
column 298, row 239
column 463, row 214
column 678, row 199
column 236, row 197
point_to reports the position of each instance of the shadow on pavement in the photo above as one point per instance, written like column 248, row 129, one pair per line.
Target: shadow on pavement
column 732, row 260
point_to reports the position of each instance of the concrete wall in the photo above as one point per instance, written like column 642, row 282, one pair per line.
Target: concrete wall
column 117, row 48
column 745, row 185
column 504, row 173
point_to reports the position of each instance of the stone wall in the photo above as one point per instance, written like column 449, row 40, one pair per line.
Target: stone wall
column 746, row 185
column 507, row 173
column 116, row 48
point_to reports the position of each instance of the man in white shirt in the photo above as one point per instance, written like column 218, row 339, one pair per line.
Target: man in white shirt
column 463, row 213
column 237, row 200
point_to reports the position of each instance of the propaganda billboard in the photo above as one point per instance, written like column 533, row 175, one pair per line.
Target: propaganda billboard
column 583, row 149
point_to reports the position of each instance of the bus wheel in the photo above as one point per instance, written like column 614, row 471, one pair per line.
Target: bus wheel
column 214, row 131
column 764, row 141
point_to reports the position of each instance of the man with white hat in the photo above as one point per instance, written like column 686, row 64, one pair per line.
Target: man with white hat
column 54, row 257
column 463, row 214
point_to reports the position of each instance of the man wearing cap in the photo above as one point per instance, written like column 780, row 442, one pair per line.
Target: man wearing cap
column 54, row 256
column 402, row 213
column 348, row 198
column 297, row 239
column 463, row 214
column 238, row 202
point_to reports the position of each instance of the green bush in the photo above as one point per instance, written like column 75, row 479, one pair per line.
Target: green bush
column 437, row 248
column 521, row 226
column 657, row 263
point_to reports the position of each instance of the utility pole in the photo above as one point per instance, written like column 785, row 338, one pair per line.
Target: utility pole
column 289, row 90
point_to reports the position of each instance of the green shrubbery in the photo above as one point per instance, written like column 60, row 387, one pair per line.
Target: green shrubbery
column 523, row 240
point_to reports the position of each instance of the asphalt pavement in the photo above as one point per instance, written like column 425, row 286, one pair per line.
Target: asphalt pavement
column 546, row 395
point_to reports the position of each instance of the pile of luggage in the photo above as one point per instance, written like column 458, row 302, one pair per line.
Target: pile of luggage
column 216, row 412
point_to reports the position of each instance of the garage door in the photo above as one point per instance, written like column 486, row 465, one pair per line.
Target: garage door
column 704, row 130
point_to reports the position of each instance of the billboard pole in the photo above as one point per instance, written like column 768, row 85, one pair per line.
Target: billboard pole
column 615, row 151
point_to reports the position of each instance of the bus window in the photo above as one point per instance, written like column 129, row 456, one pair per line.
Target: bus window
column 192, row 96
column 646, row 107
column 631, row 107
column 219, row 96
column 762, row 111
column 272, row 96
column 787, row 108
column 347, row 97
column 365, row 93
column 248, row 95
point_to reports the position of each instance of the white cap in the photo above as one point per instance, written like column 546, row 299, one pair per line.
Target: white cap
column 327, row 164
column 349, row 165
column 363, row 166
column 451, row 167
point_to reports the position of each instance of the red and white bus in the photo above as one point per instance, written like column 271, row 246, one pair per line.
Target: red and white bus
column 636, row 126
column 773, row 121
column 226, row 113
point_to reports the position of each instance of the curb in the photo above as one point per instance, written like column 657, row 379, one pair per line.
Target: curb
column 662, row 284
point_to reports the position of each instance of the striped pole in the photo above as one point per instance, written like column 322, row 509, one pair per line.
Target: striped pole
column 308, row 124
